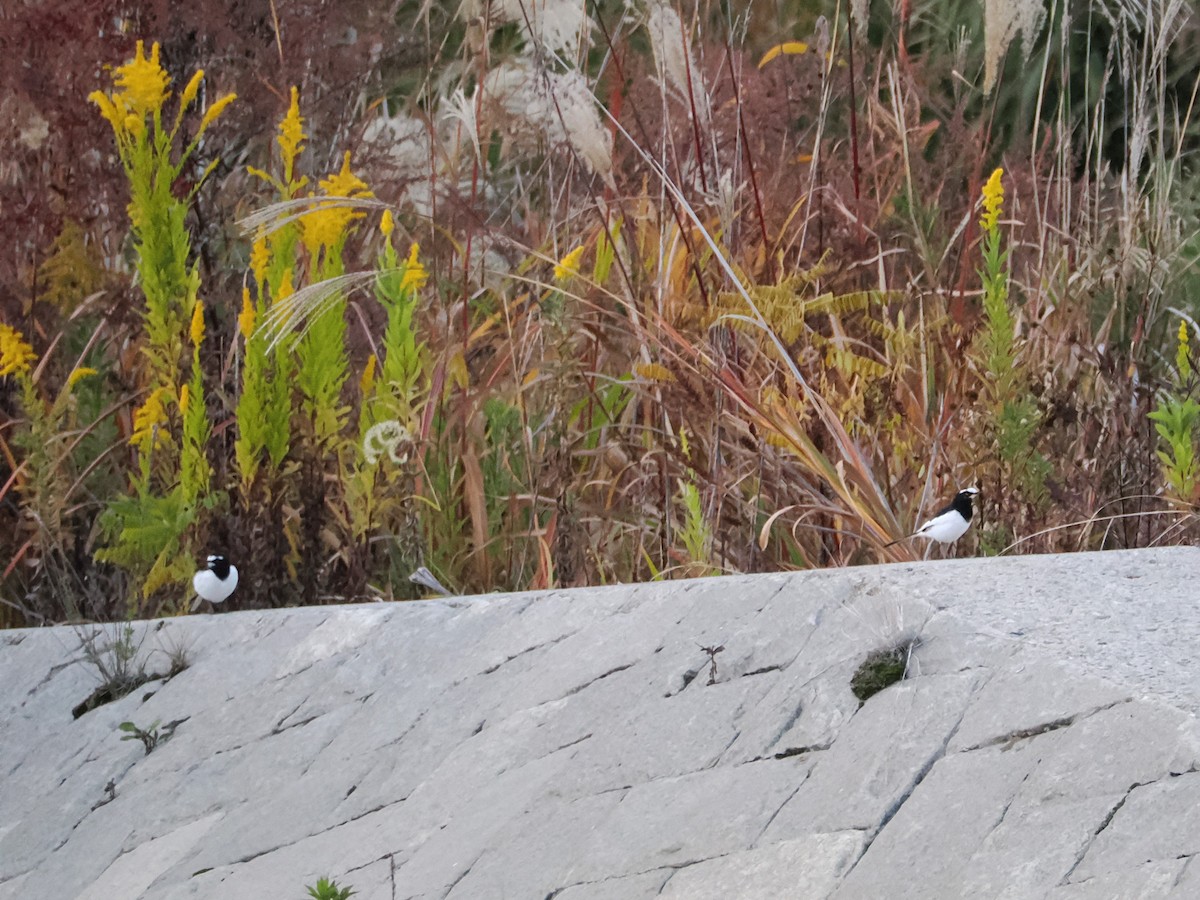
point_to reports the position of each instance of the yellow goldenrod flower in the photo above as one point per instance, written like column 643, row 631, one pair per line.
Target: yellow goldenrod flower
column 190, row 92
column 196, row 332
column 246, row 316
column 415, row 276
column 108, row 109
column 368, row 376
column 653, row 372
column 327, row 224
column 993, row 201
column 184, row 396
column 211, row 114
column 148, row 420
column 135, row 126
column 387, row 224
column 79, row 374
column 143, row 82
column 291, row 133
column 15, row 353
column 286, row 287
column 568, row 266
column 1183, row 358
column 260, row 259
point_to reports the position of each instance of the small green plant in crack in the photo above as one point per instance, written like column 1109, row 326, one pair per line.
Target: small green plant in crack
column 881, row 669
column 176, row 651
column 148, row 736
column 116, row 664
column 328, row 890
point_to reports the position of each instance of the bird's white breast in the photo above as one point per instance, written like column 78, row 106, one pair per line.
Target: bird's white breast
column 944, row 528
column 214, row 589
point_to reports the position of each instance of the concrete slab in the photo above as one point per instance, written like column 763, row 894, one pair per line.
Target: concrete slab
column 580, row 745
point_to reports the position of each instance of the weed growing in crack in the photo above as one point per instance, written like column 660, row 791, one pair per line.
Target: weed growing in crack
column 881, row 669
column 712, row 661
column 328, row 890
column 177, row 651
column 148, row 736
column 116, row 664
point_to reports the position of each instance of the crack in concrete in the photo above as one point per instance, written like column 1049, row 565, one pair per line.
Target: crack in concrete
column 688, row 677
column 279, row 725
column 787, row 726
column 892, row 811
column 779, row 809
column 490, row 669
column 1083, row 852
column 300, row 724
column 601, row 677
column 1012, row 738
column 466, row 872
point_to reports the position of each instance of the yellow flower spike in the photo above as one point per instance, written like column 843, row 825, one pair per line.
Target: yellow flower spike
column 77, row 375
column 291, row 134
column 149, row 416
column 568, row 266
column 109, row 111
column 415, row 275
column 143, row 82
column 184, row 396
column 327, row 224
column 191, row 91
column 345, row 183
column 993, row 201
column 196, row 332
column 15, row 353
column 211, row 114
column 260, row 259
column 368, row 376
column 286, row 287
column 387, row 224
column 246, row 316
column 135, row 126
column 1183, row 358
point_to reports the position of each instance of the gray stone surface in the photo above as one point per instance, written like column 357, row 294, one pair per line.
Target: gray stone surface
column 570, row 744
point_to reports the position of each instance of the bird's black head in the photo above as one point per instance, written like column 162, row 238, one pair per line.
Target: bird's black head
column 219, row 566
column 962, row 502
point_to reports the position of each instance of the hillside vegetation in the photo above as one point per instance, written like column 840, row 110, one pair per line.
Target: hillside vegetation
column 536, row 293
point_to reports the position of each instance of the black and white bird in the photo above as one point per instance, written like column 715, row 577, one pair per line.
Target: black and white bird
column 215, row 582
column 951, row 521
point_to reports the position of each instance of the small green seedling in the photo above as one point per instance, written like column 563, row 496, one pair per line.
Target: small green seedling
column 148, row 736
column 328, row 890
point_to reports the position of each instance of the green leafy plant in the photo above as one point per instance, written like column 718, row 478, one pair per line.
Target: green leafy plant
column 1012, row 416
column 325, row 889
column 1175, row 418
column 153, row 164
column 148, row 736
column 114, row 653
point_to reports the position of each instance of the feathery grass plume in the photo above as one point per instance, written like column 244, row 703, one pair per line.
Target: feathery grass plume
column 560, row 107
column 1003, row 21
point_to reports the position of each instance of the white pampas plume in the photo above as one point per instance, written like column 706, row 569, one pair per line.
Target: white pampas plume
column 560, row 107
column 561, row 27
column 1003, row 20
